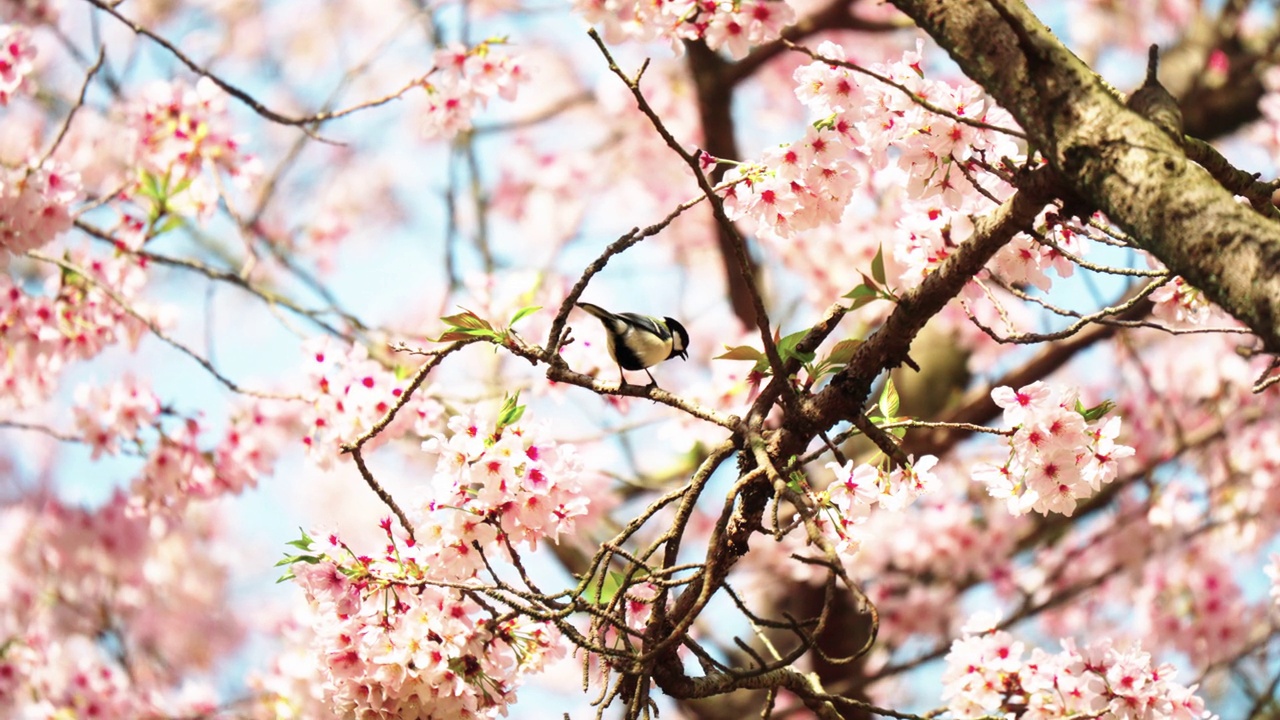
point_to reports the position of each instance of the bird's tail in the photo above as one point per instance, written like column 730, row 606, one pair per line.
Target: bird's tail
column 597, row 311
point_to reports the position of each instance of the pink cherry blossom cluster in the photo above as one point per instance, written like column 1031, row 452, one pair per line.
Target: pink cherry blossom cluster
column 1195, row 604
column 74, row 320
column 796, row 187
column 17, row 54
column 927, row 145
column 112, row 613
column 735, row 26
column 183, row 136
column 496, row 484
column 31, row 12
column 862, row 125
column 258, row 431
column 936, row 159
column 349, row 392
column 461, row 84
column 1024, row 260
column 108, row 414
column 846, row 503
column 990, row 674
column 394, row 645
column 178, row 469
column 1179, row 304
column 1056, row 456
column 913, row 575
column 35, row 205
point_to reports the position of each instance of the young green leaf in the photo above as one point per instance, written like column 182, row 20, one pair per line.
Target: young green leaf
column 302, row 543
column 861, row 295
column 877, row 267
column 522, row 313
column 741, row 352
column 787, row 348
column 171, row 222
column 466, row 325
column 1095, row 412
column 843, row 351
column 796, row 482
column 889, row 400
column 511, row 411
column 604, row 588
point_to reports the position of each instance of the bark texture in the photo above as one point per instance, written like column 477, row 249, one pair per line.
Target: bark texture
column 1113, row 158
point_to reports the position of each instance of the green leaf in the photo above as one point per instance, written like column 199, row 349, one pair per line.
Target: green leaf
column 796, row 482
column 602, row 591
column 877, row 267
column 511, row 411
column 1095, row 412
column 787, row 348
column 741, row 352
column 465, row 325
column 150, row 185
column 889, row 400
column 455, row 335
column 170, row 223
column 291, row 559
column 466, row 320
column 303, row 543
column 183, row 184
column 523, row 313
column 843, row 351
column 863, row 294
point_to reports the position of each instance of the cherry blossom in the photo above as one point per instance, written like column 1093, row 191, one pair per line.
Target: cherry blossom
column 847, row 501
column 495, row 484
column 16, row 56
column 990, row 672
column 1179, row 304
column 183, row 137
column 73, row 320
column 107, row 414
column 735, row 27
column 462, row 82
column 35, row 205
column 394, row 642
column 1056, row 456
column 157, row 590
column 348, row 392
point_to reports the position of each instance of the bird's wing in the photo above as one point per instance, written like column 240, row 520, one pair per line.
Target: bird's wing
column 647, row 323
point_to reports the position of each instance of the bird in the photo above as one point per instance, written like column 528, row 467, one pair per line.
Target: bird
column 638, row 342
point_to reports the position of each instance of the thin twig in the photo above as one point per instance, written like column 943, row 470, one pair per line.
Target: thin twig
column 154, row 328
column 301, row 123
column 66, row 122
column 903, row 88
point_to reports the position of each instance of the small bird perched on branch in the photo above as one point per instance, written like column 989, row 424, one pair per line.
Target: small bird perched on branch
column 1154, row 103
column 638, row 342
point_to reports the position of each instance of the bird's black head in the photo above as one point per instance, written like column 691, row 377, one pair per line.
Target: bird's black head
column 679, row 339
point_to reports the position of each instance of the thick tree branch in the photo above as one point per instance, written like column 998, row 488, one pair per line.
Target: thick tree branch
column 1116, row 160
